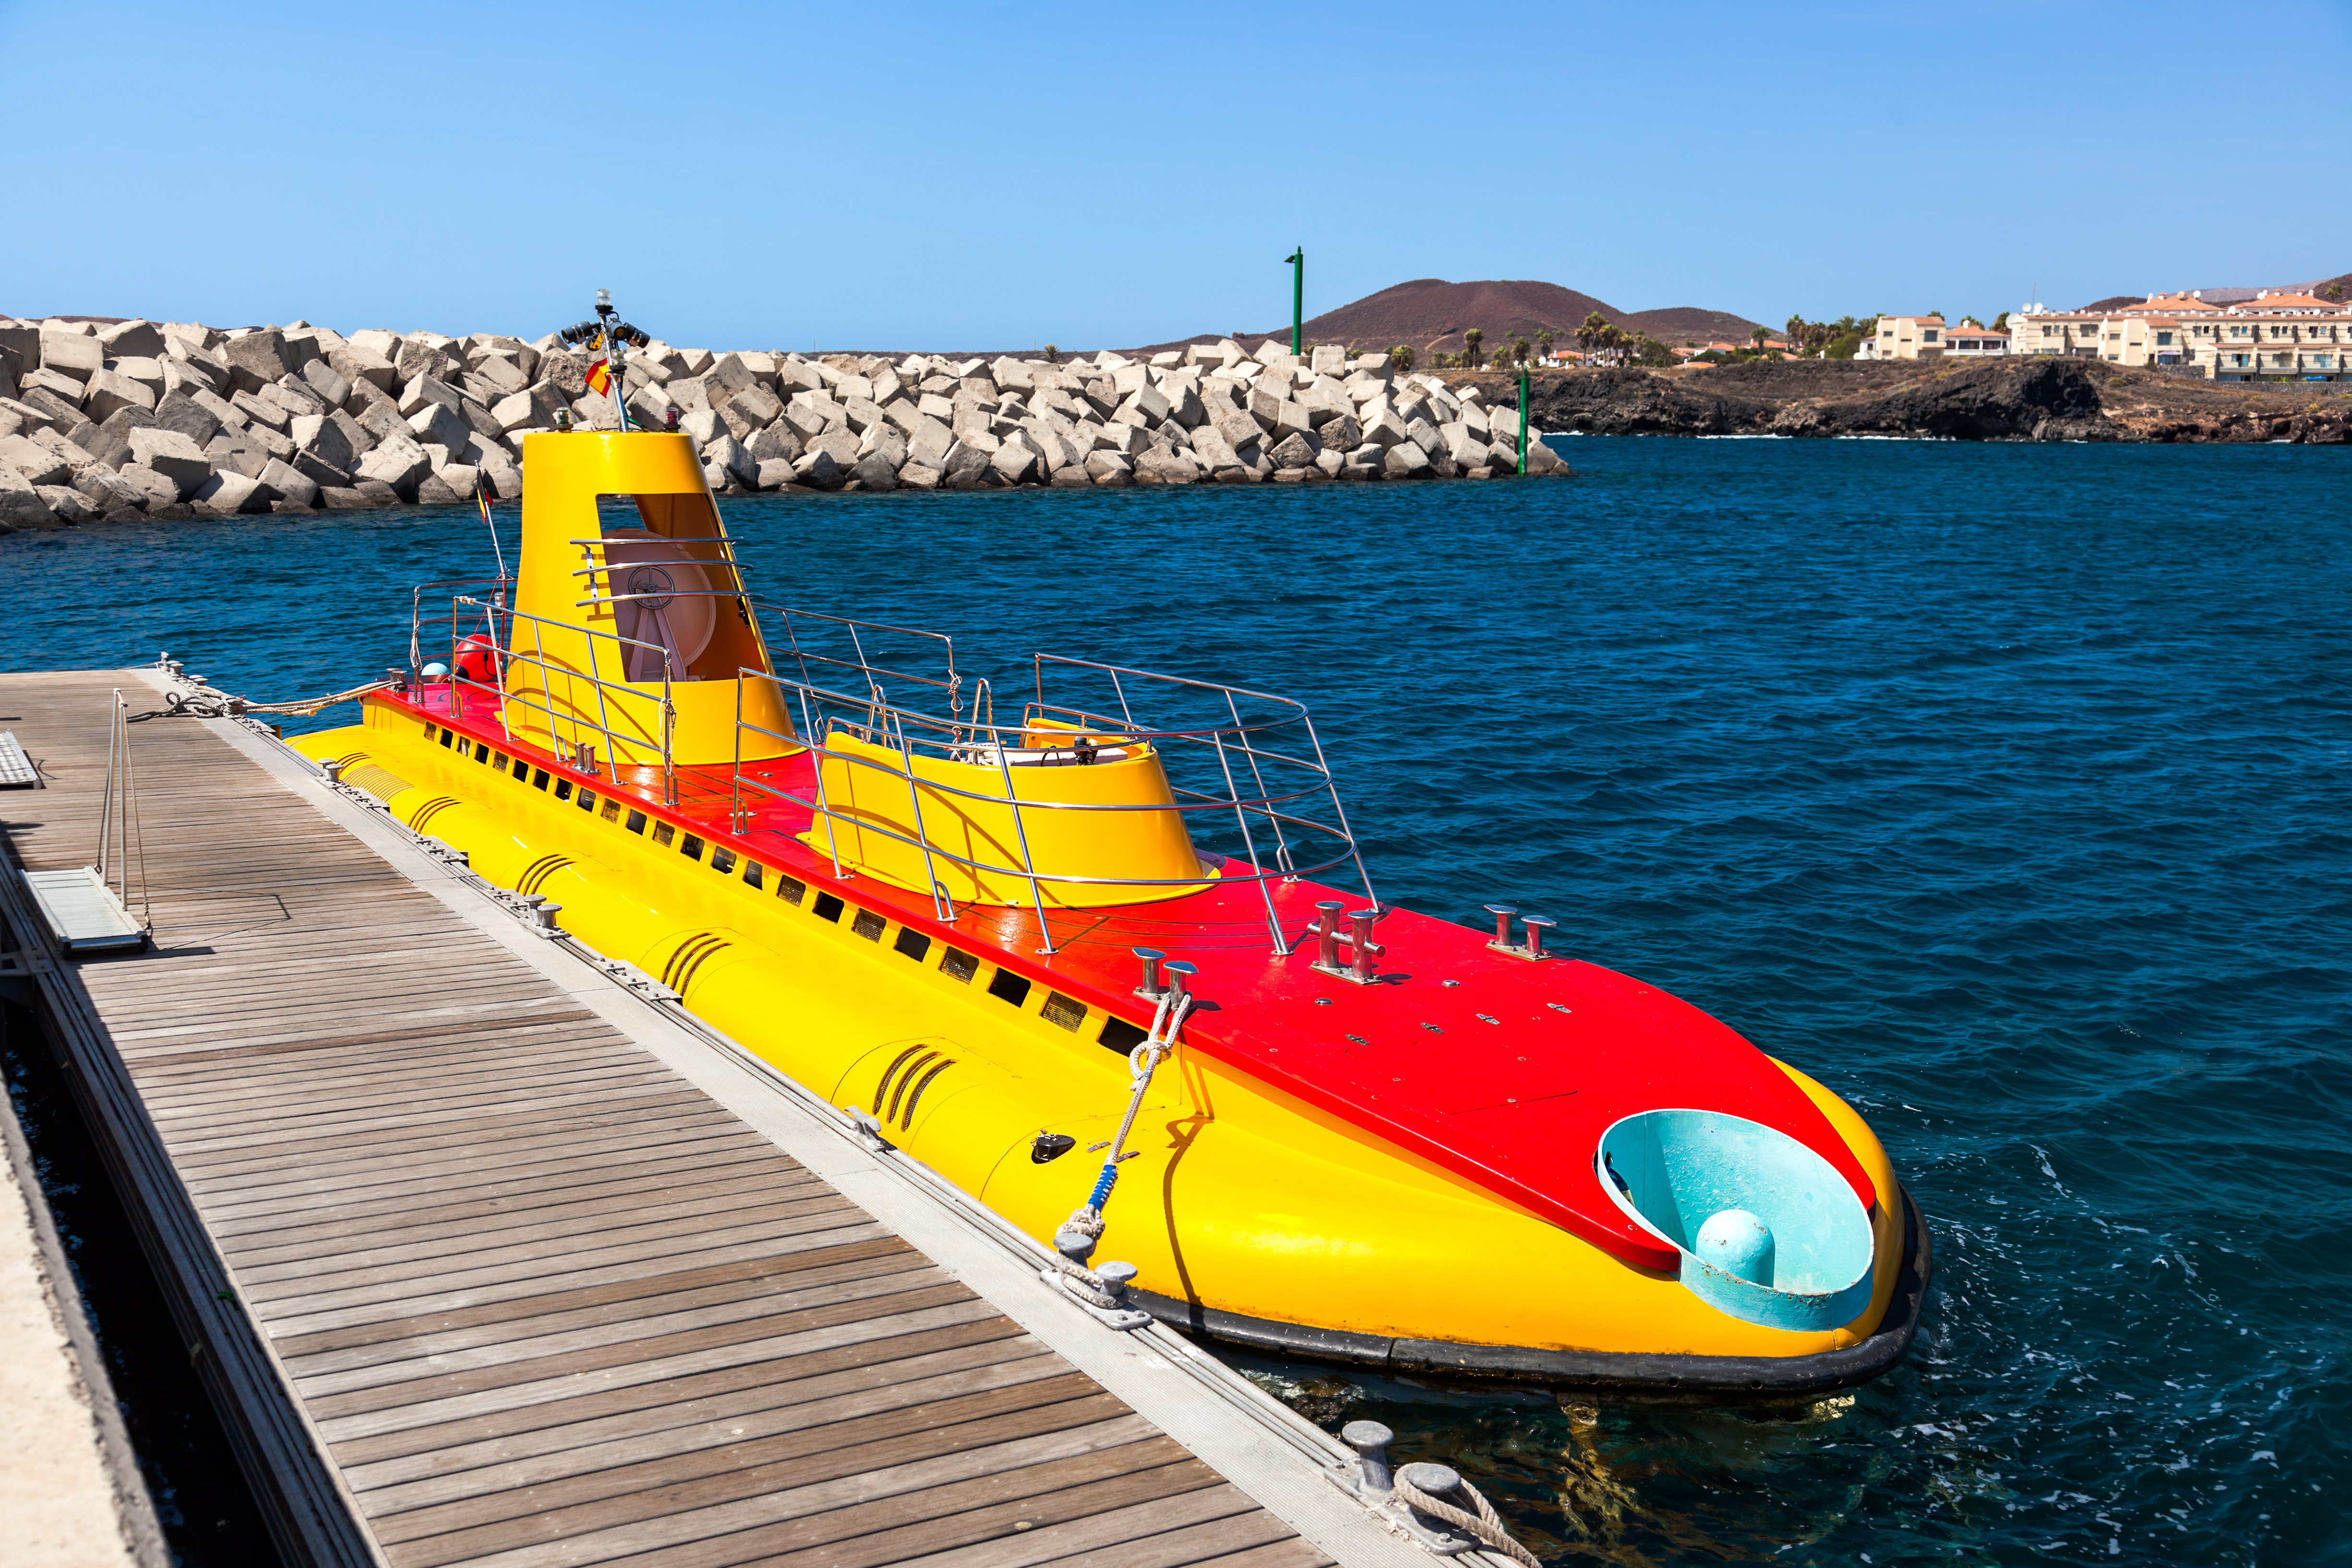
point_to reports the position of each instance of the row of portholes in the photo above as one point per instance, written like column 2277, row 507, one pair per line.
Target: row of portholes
column 1066, row 1012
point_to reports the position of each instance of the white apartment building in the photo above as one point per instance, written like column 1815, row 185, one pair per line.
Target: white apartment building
column 1905, row 337
column 2273, row 336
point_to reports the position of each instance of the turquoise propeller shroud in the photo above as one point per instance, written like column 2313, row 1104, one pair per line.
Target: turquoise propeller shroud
column 1768, row 1230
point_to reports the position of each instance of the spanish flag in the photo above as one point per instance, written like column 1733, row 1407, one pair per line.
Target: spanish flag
column 600, row 376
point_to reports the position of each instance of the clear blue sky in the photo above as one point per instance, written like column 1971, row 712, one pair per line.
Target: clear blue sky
column 925, row 175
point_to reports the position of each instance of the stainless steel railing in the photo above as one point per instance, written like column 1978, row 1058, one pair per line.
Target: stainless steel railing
column 509, row 652
column 1280, row 777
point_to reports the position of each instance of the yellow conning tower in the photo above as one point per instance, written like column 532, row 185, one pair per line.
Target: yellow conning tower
column 1092, row 814
column 615, row 618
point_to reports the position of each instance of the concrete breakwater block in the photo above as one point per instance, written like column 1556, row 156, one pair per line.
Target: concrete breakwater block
column 114, row 422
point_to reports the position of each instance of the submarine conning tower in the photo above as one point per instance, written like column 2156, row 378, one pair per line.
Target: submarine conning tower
column 632, row 626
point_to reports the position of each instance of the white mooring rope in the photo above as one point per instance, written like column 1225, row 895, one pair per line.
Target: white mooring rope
column 1082, row 1282
column 1485, row 1523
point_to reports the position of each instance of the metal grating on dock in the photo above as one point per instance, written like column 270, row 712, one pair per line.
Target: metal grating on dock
column 484, row 1279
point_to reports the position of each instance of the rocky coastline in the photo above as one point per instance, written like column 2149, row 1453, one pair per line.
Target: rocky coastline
column 2024, row 399
column 113, row 420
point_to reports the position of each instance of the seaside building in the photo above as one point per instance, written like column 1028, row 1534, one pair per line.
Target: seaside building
column 1905, row 337
column 1970, row 341
column 2276, row 335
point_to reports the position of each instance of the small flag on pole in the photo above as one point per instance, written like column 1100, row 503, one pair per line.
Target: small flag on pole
column 600, row 376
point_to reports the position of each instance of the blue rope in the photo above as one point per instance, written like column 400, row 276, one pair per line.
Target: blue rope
column 1103, row 1184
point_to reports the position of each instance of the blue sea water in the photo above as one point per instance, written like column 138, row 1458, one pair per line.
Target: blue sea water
column 2002, row 787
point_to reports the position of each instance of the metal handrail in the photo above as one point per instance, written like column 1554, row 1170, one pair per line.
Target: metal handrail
column 899, row 730
column 417, row 612
column 602, row 723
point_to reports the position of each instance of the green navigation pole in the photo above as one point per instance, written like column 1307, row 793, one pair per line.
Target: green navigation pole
column 1523, row 419
column 1298, row 263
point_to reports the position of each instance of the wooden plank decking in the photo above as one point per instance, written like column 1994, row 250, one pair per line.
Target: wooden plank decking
column 524, row 1294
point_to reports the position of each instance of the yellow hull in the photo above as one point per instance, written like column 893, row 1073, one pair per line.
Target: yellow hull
column 1244, row 1199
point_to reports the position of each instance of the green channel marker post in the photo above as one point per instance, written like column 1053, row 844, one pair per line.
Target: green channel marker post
column 1523, row 419
column 1296, row 260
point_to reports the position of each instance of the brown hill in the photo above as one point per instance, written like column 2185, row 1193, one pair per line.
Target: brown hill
column 1690, row 324
column 1431, row 313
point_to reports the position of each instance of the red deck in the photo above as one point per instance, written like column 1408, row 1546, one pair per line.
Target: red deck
column 1503, row 1070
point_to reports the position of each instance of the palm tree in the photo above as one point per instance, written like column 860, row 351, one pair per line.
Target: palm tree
column 1593, row 333
column 1544, row 340
column 1760, row 336
column 1470, row 341
column 1796, row 330
column 1053, row 354
column 1401, row 359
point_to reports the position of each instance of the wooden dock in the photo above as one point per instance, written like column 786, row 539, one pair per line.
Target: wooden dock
column 490, row 1259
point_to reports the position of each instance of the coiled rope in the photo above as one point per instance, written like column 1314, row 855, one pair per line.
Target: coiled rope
column 1485, row 1523
column 1086, row 1219
column 209, row 704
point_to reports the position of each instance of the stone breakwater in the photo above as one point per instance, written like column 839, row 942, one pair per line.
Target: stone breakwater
column 120, row 419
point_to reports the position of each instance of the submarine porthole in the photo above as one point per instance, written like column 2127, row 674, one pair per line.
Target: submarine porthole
column 691, row 847
column 637, row 822
column 563, row 789
column 827, row 907
column 1009, row 987
column 540, row 781
column 587, row 801
column 722, row 860
column 958, row 965
column 664, row 833
column 868, row 925
column 913, row 943
column 1121, row 1036
column 791, row 889
column 1068, row 1012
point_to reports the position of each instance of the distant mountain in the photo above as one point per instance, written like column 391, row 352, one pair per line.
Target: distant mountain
column 1690, row 324
column 1432, row 314
column 2115, row 302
